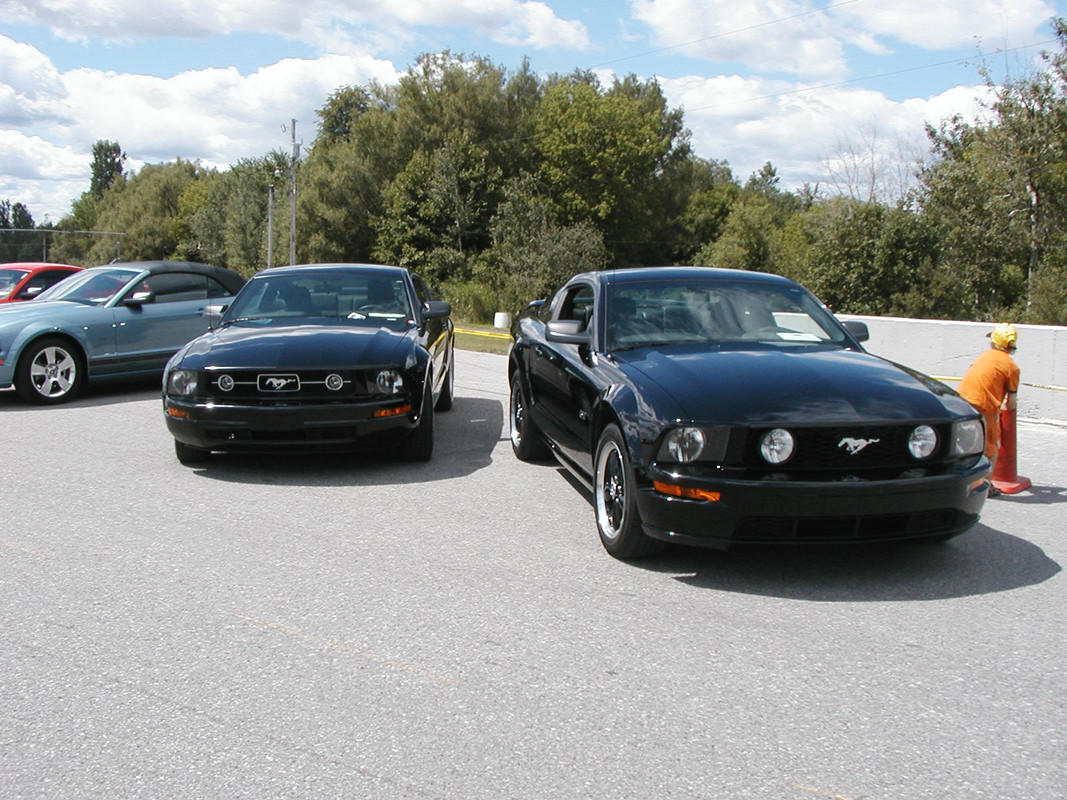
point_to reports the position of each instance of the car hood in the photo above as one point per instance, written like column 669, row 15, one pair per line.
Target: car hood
column 31, row 310
column 766, row 386
column 297, row 346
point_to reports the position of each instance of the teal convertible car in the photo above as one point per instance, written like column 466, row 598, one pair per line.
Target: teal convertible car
column 121, row 321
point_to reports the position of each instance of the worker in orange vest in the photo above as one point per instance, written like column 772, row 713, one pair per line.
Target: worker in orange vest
column 992, row 383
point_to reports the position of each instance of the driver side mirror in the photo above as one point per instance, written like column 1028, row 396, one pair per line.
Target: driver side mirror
column 213, row 314
column 857, row 329
column 436, row 309
column 568, row 331
column 138, row 299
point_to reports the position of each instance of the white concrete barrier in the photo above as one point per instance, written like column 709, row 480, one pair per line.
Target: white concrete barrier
column 945, row 349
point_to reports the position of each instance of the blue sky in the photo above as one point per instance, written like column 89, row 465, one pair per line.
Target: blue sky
column 832, row 93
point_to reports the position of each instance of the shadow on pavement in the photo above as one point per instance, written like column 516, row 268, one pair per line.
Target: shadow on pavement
column 979, row 562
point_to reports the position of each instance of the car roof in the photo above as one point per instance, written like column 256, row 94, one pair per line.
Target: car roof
column 641, row 274
column 227, row 277
column 35, row 266
column 383, row 269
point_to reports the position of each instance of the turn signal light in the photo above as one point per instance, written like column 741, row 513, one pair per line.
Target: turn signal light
column 175, row 412
column 392, row 412
column 686, row 492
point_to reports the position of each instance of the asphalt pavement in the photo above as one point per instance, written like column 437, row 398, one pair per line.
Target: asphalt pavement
column 328, row 627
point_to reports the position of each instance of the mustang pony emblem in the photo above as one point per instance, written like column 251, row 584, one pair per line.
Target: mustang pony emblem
column 278, row 383
column 855, row 445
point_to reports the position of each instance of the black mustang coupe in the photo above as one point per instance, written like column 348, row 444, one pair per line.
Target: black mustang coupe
column 339, row 357
column 708, row 407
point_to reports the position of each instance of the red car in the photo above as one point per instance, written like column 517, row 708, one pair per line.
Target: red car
column 24, row 280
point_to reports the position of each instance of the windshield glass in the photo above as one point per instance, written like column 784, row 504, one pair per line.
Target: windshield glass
column 9, row 278
column 323, row 296
column 657, row 313
column 93, row 287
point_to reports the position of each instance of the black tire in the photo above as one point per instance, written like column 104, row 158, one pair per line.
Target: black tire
column 51, row 370
column 419, row 444
column 615, row 500
column 190, row 456
column 448, row 391
column 526, row 441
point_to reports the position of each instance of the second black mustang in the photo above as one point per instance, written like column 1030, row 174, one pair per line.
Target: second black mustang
column 711, row 406
column 314, row 357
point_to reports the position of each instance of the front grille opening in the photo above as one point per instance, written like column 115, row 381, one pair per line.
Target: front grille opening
column 848, row 529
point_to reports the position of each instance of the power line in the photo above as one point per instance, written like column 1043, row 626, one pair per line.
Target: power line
column 726, row 33
column 803, row 89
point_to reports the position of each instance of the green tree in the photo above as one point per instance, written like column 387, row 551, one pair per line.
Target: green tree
column 17, row 242
column 107, row 168
column 997, row 190
column 602, row 156
column 146, row 208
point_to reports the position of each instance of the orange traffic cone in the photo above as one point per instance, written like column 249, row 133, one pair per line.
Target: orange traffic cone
column 1005, row 474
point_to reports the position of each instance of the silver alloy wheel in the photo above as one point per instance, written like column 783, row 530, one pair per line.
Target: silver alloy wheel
column 517, row 414
column 611, row 489
column 53, row 372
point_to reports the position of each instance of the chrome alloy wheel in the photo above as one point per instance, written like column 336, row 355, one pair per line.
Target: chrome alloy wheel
column 53, row 372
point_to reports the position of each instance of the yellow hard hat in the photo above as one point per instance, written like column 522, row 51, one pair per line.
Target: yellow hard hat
column 1004, row 335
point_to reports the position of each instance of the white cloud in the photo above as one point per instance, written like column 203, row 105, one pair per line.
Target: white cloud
column 521, row 22
column 214, row 116
column 946, row 24
column 764, row 35
column 750, row 121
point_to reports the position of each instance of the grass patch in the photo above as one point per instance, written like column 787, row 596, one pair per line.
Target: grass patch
column 482, row 338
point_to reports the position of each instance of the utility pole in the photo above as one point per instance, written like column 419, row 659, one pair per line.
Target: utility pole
column 270, row 223
column 292, row 196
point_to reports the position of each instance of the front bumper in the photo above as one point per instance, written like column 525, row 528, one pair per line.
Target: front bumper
column 289, row 427
column 816, row 513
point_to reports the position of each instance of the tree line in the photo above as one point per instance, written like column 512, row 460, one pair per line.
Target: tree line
column 496, row 185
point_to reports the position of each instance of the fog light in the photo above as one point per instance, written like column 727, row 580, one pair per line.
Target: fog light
column 922, row 442
column 776, row 446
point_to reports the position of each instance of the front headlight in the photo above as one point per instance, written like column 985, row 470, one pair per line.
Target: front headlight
column 181, row 383
column 683, row 445
column 922, row 442
column 968, row 437
column 688, row 443
column 390, row 381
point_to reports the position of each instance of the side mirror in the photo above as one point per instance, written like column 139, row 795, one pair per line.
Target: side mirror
column 857, row 329
column 436, row 309
column 213, row 314
column 138, row 299
column 568, row 331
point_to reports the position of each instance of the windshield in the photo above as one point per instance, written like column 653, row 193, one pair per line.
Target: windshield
column 339, row 296
column 93, row 287
column 9, row 278
column 715, row 311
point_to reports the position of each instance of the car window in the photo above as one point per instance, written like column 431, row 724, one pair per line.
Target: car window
column 9, row 278
column 422, row 294
column 576, row 304
column 174, row 287
column 716, row 311
column 43, row 280
column 341, row 296
column 94, row 287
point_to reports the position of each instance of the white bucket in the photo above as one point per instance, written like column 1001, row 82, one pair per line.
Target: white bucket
column 502, row 319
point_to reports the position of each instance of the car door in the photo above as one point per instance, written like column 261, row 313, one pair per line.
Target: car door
column 560, row 383
column 436, row 333
column 159, row 314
